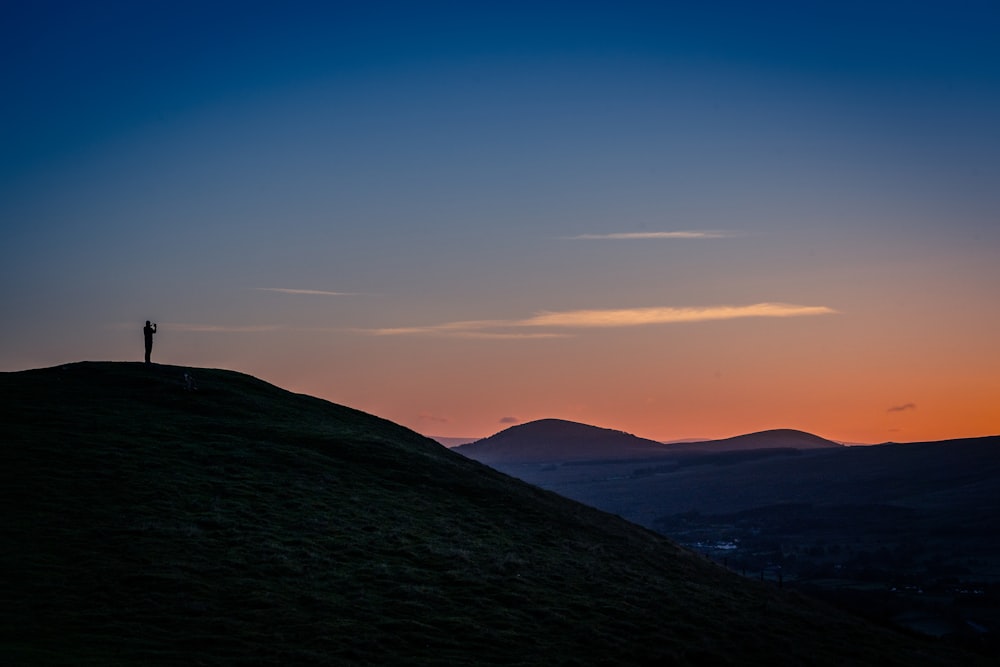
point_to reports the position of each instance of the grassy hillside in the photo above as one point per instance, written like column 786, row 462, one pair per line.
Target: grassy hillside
column 148, row 524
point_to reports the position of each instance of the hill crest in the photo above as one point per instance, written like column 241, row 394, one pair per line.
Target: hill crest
column 550, row 440
column 782, row 438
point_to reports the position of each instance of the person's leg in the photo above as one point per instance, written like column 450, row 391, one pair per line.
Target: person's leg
column 149, row 349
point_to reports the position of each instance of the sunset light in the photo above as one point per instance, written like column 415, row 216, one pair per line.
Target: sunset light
column 673, row 220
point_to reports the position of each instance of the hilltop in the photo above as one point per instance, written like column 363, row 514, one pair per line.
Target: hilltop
column 150, row 520
column 547, row 440
column 783, row 438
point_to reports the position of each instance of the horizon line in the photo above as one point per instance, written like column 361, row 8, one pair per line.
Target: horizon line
column 313, row 292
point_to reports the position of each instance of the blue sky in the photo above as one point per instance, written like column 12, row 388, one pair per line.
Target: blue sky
column 281, row 184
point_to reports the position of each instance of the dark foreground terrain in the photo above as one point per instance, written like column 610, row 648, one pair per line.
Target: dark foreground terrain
column 907, row 534
column 151, row 522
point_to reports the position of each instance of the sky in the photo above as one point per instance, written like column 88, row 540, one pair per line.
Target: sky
column 681, row 220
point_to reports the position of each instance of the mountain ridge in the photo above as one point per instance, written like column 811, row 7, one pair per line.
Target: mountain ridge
column 769, row 439
column 558, row 440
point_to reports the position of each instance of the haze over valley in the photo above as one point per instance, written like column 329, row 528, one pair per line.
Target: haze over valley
column 905, row 532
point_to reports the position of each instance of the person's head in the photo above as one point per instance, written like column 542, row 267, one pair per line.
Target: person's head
column 147, row 323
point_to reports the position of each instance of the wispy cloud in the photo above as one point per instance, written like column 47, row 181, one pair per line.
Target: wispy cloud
column 510, row 420
column 628, row 317
column 636, row 236
column 601, row 318
column 507, row 335
column 902, row 408
column 463, row 330
column 314, row 292
column 217, row 328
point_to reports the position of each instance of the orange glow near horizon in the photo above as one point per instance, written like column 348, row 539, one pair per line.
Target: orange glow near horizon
column 850, row 376
column 623, row 215
column 707, row 380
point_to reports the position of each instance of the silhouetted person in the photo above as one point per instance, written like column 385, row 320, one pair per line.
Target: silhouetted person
column 147, row 334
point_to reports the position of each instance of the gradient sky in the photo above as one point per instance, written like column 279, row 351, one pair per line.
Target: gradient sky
column 675, row 219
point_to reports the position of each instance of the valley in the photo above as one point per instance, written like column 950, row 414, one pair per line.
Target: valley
column 905, row 534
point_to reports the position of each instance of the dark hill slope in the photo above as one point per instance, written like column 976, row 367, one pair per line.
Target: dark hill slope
column 550, row 440
column 239, row 524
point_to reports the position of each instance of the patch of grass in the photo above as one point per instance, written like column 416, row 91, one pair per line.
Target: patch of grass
column 146, row 524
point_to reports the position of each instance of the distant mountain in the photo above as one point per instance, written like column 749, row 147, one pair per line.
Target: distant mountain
column 146, row 522
column 558, row 440
column 784, row 438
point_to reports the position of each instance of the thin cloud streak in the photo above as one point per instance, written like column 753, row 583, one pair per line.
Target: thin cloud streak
column 628, row 317
column 902, row 408
column 452, row 330
column 218, row 328
column 315, row 292
column 606, row 318
column 633, row 236
column 508, row 336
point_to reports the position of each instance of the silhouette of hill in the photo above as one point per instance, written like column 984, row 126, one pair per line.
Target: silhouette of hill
column 149, row 523
column 773, row 439
column 550, row 440
column 560, row 441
